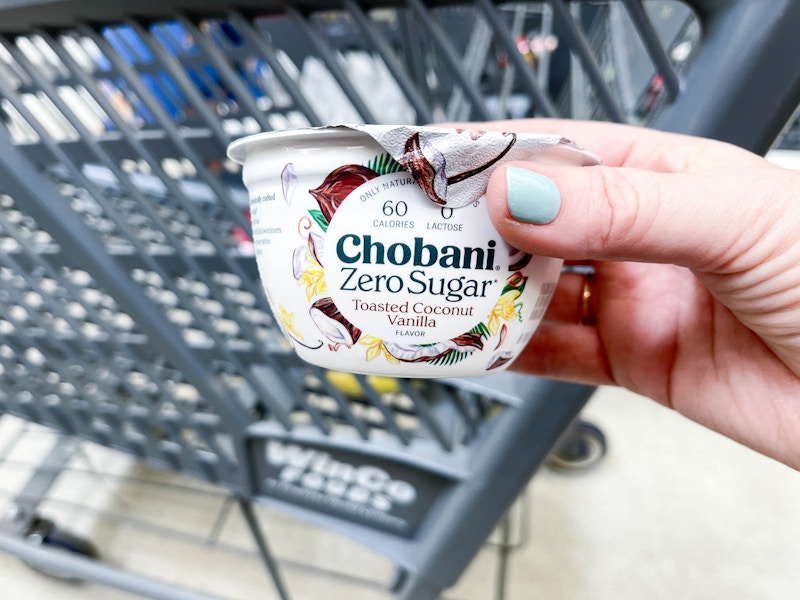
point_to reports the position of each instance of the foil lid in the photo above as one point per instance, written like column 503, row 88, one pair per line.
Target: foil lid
column 453, row 166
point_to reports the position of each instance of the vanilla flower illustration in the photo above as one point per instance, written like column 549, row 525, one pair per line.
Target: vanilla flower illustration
column 313, row 278
column 307, row 266
column 375, row 348
column 287, row 319
column 506, row 309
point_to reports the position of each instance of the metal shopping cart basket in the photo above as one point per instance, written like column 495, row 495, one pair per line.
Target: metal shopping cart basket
column 131, row 312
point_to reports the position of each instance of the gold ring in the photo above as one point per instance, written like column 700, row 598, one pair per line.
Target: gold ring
column 586, row 316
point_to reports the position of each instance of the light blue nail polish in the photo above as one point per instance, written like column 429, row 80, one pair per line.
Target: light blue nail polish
column 532, row 198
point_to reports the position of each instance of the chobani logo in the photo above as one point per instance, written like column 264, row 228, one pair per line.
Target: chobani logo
column 352, row 248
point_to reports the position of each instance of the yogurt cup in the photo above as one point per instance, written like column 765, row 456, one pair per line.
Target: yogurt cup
column 371, row 267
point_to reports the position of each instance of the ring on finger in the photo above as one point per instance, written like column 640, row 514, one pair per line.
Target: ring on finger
column 586, row 316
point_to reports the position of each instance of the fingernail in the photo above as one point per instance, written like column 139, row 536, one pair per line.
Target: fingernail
column 532, row 198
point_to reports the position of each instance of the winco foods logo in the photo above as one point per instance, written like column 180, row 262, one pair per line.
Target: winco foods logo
column 317, row 472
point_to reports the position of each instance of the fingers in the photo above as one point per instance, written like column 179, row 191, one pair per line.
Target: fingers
column 702, row 221
column 564, row 346
column 567, row 304
column 567, row 352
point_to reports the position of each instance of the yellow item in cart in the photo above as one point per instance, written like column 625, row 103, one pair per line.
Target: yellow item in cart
column 348, row 384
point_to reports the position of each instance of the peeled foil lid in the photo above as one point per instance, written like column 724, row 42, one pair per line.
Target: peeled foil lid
column 453, row 166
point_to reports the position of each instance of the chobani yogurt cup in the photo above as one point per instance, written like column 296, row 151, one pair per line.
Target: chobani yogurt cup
column 376, row 250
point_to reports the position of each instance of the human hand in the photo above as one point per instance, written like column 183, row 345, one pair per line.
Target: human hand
column 695, row 246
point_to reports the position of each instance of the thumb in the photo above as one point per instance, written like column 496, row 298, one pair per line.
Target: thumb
column 697, row 220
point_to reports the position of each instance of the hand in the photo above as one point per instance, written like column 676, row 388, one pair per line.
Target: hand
column 695, row 246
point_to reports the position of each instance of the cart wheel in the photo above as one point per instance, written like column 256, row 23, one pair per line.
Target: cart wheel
column 584, row 447
column 46, row 533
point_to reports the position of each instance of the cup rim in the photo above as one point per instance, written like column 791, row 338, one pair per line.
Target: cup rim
column 239, row 150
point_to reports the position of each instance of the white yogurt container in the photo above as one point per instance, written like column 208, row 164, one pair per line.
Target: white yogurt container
column 372, row 271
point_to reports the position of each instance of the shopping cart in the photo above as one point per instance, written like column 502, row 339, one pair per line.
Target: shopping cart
column 132, row 315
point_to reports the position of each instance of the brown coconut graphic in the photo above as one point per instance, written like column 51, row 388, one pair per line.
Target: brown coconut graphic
column 332, row 323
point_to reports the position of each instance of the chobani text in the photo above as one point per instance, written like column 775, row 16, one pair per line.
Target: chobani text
column 352, row 248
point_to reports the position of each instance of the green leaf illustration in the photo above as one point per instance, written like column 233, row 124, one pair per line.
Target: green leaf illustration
column 319, row 218
column 383, row 164
column 482, row 329
column 450, row 358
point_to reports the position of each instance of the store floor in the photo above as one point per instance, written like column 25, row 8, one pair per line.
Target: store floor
column 673, row 511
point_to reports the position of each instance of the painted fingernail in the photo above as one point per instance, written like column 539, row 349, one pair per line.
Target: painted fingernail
column 532, row 198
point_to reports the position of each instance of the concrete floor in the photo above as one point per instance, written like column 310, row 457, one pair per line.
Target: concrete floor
column 674, row 511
